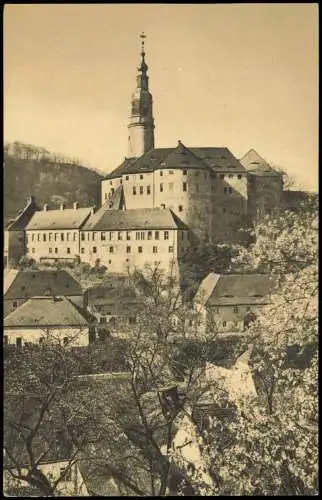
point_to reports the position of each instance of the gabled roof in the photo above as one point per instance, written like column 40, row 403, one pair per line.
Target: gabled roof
column 257, row 165
column 209, row 158
column 46, row 311
column 140, row 218
column 68, row 218
column 21, row 221
column 20, row 284
column 234, row 289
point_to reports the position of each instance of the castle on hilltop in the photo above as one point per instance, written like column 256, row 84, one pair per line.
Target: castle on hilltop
column 155, row 205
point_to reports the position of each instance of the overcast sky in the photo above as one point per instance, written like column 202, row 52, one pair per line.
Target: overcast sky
column 238, row 75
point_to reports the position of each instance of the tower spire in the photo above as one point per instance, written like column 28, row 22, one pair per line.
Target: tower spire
column 141, row 126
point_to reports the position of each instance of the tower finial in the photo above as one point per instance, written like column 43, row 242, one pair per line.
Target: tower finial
column 142, row 36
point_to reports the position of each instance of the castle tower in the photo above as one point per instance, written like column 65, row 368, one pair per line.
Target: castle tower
column 141, row 126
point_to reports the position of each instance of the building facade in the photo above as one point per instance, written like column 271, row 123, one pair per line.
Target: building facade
column 204, row 193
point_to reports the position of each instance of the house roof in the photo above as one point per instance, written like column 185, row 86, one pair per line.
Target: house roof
column 140, row 218
column 69, row 218
column 22, row 220
column 234, row 289
column 46, row 311
column 256, row 165
column 208, row 158
column 26, row 283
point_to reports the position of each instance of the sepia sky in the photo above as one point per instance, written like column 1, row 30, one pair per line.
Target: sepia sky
column 237, row 75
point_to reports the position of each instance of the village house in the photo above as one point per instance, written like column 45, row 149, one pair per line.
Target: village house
column 46, row 318
column 23, row 284
column 227, row 303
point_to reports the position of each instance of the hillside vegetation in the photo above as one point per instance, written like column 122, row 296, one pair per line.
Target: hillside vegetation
column 52, row 179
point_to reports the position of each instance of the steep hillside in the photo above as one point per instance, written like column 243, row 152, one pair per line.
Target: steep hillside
column 51, row 179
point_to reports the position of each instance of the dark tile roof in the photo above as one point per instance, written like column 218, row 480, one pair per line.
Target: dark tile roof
column 30, row 283
column 69, row 218
column 46, row 311
column 256, row 165
column 21, row 221
column 216, row 159
column 219, row 159
column 233, row 289
column 140, row 218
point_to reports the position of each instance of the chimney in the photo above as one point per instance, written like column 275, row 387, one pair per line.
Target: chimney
column 45, row 207
column 75, row 205
column 62, row 206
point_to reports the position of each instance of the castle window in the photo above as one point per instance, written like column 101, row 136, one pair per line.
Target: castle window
column 126, row 177
column 93, row 236
column 141, row 189
column 224, row 323
column 170, row 172
column 134, row 190
column 128, row 249
column 156, row 235
column 142, row 235
column 62, row 236
column 140, row 249
column 235, row 309
column 128, row 235
column 105, row 196
column 19, row 342
column 141, row 176
column 161, row 188
column 148, row 190
column 103, row 236
column 230, row 190
column 184, row 186
column 49, row 236
column 184, row 172
column 161, row 173
column 111, row 249
column 32, row 250
column 230, row 176
column 82, row 250
column 166, row 235
column 222, row 176
column 132, row 320
column 180, row 208
column 149, row 235
column 14, row 305
column 50, row 250
column 75, row 236
column 32, row 237
column 239, row 176
column 137, row 236
column 111, row 182
column 44, row 237
column 82, row 237
column 38, row 237
column 170, row 249
column 111, row 235
column 155, row 249
column 119, row 236
column 170, row 186
column 56, row 250
column 68, row 250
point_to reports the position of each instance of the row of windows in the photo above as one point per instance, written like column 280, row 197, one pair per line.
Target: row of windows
column 128, row 249
column 51, row 250
column 141, row 190
column 124, row 235
column 52, row 236
column 184, row 172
